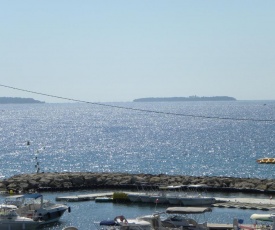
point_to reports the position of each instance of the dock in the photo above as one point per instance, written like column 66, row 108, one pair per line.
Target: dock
column 85, row 197
column 213, row 226
column 241, row 203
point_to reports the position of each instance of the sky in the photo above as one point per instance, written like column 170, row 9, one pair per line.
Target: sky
column 121, row 50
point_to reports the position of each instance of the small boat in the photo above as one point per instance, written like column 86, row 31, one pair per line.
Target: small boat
column 263, row 217
column 179, row 217
column 10, row 220
column 266, row 160
column 121, row 223
column 35, row 207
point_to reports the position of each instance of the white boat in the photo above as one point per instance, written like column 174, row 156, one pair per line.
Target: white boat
column 258, row 224
column 10, row 220
column 121, row 223
column 183, row 217
column 33, row 206
column 155, row 222
column 263, row 217
column 190, row 200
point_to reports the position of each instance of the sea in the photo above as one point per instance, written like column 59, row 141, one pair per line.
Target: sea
column 218, row 138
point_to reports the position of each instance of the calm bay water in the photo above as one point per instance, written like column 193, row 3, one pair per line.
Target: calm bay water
column 86, row 137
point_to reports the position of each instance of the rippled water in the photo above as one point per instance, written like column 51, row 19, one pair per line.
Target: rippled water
column 85, row 137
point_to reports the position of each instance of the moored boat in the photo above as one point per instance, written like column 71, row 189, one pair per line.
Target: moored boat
column 180, row 217
column 263, row 217
column 35, row 207
column 10, row 220
column 121, row 223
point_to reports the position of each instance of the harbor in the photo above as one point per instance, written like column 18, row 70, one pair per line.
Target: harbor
column 238, row 203
column 137, row 156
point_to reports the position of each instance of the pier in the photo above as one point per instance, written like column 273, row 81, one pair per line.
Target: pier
column 221, row 202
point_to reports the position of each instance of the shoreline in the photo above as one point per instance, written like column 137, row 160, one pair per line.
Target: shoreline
column 67, row 181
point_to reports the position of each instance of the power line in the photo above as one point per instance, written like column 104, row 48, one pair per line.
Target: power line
column 140, row 110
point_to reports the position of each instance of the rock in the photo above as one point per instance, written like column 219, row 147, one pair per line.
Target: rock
column 55, row 181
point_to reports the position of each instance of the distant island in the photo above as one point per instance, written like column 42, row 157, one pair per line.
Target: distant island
column 190, row 98
column 18, row 100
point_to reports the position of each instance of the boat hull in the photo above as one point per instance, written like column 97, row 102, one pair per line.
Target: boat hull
column 197, row 201
column 18, row 225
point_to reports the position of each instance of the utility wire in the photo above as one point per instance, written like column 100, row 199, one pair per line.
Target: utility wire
column 140, row 110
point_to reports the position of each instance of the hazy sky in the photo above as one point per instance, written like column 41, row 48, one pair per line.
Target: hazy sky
column 111, row 51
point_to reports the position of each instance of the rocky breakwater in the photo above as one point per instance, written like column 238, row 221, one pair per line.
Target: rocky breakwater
column 92, row 180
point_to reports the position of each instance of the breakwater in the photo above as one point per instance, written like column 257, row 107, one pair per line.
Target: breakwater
column 94, row 180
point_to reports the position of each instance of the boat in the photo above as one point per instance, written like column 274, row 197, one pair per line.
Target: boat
column 263, row 217
column 259, row 222
column 121, row 223
column 183, row 217
column 35, row 207
column 266, row 160
column 10, row 220
column 175, row 218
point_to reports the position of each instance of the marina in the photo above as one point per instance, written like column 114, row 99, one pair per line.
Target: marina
column 75, row 139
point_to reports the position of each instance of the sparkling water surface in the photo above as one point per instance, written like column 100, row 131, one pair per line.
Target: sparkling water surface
column 86, row 137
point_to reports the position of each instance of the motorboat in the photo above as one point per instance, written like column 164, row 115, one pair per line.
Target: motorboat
column 35, row 207
column 121, row 223
column 263, row 217
column 266, row 160
column 197, row 200
column 155, row 222
column 10, row 220
column 259, row 222
column 184, row 217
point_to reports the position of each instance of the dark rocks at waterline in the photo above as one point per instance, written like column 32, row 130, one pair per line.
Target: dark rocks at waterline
column 88, row 180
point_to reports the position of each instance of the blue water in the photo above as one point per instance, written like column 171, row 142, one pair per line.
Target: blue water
column 87, row 137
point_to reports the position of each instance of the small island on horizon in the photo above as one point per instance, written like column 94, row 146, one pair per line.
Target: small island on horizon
column 18, row 100
column 190, row 98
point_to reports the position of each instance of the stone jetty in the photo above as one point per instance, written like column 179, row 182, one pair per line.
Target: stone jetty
column 100, row 180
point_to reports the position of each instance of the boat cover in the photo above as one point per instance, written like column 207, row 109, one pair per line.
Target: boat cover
column 187, row 210
column 108, row 222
